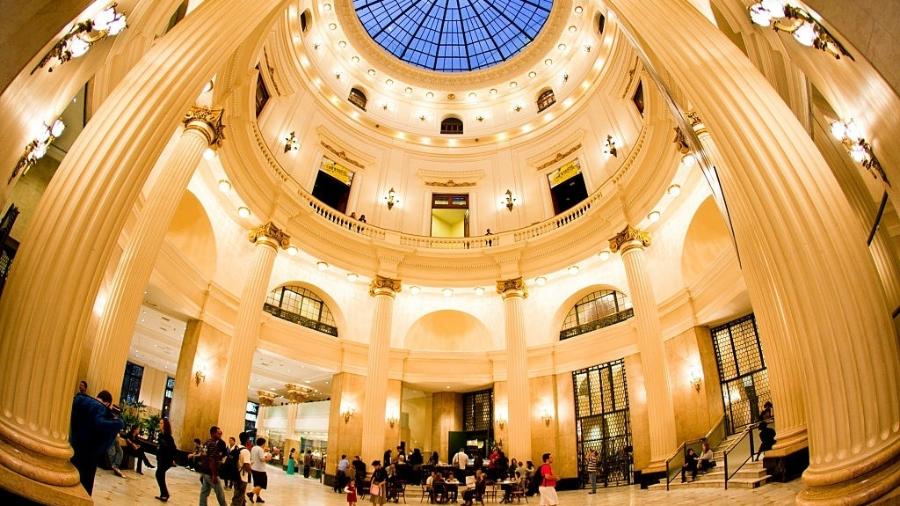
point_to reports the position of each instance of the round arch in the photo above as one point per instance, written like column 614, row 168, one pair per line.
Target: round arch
column 339, row 321
column 448, row 330
column 570, row 301
column 191, row 233
column 706, row 239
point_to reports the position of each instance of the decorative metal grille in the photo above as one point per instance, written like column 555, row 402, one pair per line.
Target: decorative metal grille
column 545, row 100
column 594, row 311
column 602, row 421
column 301, row 306
column 358, row 98
column 742, row 371
column 167, row 398
column 131, row 383
column 478, row 411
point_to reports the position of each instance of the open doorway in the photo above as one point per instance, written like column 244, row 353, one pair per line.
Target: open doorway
column 450, row 215
column 567, row 186
column 332, row 184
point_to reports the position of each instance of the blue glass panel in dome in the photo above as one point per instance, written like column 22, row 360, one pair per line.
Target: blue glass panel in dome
column 453, row 35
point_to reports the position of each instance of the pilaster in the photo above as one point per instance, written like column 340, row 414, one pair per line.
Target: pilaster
column 514, row 292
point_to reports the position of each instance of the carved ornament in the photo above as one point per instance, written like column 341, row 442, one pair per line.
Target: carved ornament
column 208, row 121
column 342, row 155
column 628, row 235
column 512, row 287
column 271, row 232
column 266, row 398
column 384, row 286
column 681, row 142
column 559, row 157
column 450, row 184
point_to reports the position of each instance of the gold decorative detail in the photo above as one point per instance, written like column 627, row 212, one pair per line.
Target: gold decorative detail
column 560, row 157
column 270, row 231
column 681, row 142
column 450, row 184
column 266, row 398
column 208, row 121
column 512, row 287
column 629, row 234
column 298, row 393
column 693, row 118
column 451, row 96
column 342, row 155
column 384, row 286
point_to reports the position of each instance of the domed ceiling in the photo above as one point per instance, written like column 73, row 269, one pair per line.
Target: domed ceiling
column 453, row 35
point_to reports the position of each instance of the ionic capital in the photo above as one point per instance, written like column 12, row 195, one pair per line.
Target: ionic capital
column 384, row 286
column 207, row 121
column 271, row 234
column 512, row 288
column 696, row 122
column 629, row 238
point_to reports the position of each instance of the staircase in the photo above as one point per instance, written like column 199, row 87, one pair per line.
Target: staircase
column 751, row 475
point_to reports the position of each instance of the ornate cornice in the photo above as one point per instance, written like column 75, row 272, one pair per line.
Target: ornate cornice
column 207, row 121
column 384, row 286
column 450, row 184
column 629, row 235
column 512, row 287
column 559, row 157
column 272, row 233
column 342, row 155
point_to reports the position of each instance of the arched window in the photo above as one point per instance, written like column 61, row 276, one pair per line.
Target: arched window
column 452, row 126
column 545, row 99
column 304, row 20
column 301, row 306
column 594, row 311
column 601, row 23
column 358, row 98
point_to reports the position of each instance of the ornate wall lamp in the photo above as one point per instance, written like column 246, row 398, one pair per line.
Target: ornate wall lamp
column 200, row 374
column 546, row 416
column 851, row 136
column 37, row 148
column 291, row 142
column 609, row 147
column 508, row 200
column 392, row 420
column 501, row 422
column 695, row 377
column 82, row 36
column 805, row 28
column 391, row 198
column 348, row 414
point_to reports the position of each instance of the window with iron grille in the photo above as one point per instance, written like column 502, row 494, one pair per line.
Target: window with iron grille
column 167, row 397
column 301, row 306
column 545, row 99
column 742, row 371
column 358, row 98
column 251, row 415
column 594, row 311
column 602, row 420
column 452, row 126
column 131, row 383
column 478, row 410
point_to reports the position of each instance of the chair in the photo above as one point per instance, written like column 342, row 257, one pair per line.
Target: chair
column 400, row 492
column 518, row 493
column 491, row 491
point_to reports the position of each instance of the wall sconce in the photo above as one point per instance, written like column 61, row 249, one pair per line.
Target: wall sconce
column 696, row 377
column 851, row 136
column 501, row 422
column 392, row 420
column 82, row 36
column 508, row 200
column 391, row 198
column 200, row 374
column 806, row 29
column 609, row 147
column 37, row 148
column 348, row 413
column 546, row 416
column 291, row 143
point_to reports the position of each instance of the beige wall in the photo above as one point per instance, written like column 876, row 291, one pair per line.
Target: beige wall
column 27, row 193
column 416, row 407
column 637, row 407
column 392, row 409
column 691, row 352
column 153, row 387
column 446, row 416
column 347, row 392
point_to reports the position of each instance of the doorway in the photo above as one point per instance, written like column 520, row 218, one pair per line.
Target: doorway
column 742, row 372
column 332, row 185
column 567, row 186
column 449, row 215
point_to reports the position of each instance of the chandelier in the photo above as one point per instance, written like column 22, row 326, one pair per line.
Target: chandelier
column 799, row 22
column 82, row 36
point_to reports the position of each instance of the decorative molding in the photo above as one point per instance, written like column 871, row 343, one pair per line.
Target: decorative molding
column 450, row 179
column 560, row 156
column 342, row 155
column 208, row 121
column 680, row 141
column 384, row 286
column 628, row 235
column 450, row 184
column 270, row 231
column 512, row 287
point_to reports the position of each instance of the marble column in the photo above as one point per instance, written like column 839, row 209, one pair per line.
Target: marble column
column 233, row 408
column 382, row 291
column 73, row 233
column 202, row 129
column 631, row 243
column 800, row 247
column 518, row 444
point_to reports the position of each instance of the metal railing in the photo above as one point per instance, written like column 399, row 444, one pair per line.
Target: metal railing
column 675, row 463
column 606, row 321
column 300, row 320
column 739, row 452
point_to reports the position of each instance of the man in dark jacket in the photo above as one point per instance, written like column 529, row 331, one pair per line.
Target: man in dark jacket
column 93, row 428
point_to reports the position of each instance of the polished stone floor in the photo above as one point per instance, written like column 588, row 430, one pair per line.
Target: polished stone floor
column 184, row 488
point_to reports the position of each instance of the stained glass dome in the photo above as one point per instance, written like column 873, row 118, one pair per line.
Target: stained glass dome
column 453, row 35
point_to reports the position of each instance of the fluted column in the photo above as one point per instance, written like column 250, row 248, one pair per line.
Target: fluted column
column 800, row 246
column 785, row 378
column 48, row 300
column 267, row 238
column 631, row 243
column 382, row 291
column 514, row 292
column 202, row 128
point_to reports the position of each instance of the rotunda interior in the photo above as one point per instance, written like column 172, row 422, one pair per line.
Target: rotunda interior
column 641, row 228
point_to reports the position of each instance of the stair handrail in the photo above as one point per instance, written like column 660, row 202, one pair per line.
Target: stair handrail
column 682, row 449
column 678, row 451
column 748, row 431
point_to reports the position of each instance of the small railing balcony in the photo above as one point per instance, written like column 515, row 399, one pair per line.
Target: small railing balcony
column 300, row 320
column 606, row 321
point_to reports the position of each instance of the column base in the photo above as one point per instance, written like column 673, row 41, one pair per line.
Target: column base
column 786, row 466
column 18, row 489
column 654, row 473
column 876, row 486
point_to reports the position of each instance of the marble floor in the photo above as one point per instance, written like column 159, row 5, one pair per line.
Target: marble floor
column 184, row 488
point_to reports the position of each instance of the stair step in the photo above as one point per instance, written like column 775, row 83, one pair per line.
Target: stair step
column 732, row 483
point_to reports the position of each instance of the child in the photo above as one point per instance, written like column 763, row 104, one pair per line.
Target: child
column 351, row 493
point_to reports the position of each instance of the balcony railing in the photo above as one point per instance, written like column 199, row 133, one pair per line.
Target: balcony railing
column 606, row 321
column 300, row 320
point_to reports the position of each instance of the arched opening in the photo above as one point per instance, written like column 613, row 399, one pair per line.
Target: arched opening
column 451, row 125
column 449, row 330
column 545, row 99
column 191, row 234
column 598, row 309
column 601, row 23
column 305, row 20
column 358, row 98
column 303, row 306
column 706, row 240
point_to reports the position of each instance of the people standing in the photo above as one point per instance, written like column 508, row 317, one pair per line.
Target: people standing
column 229, row 468
column 292, row 462
column 165, row 457
column 592, row 460
column 379, row 483
column 767, row 414
column 351, row 493
column 548, row 482
column 136, row 450
column 212, row 453
column 460, row 461
column 258, row 459
column 307, row 463
column 359, row 472
column 340, row 479
column 766, row 438
column 243, row 470
column 83, row 387
column 93, row 429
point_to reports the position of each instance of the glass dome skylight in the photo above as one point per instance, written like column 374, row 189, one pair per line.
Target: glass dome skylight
column 453, row 35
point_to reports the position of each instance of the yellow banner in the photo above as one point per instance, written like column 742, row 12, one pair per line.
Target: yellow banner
column 564, row 173
column 337, row 171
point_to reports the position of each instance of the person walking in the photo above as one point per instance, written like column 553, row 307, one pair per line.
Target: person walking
column 258, row 458
column 548, row 482
column 243, row 470
column 165, row 457
column 460, row 461
column 307, row 463
column 359, row 472
column 341, row 478
column 592, row 459
column 377, row 490
column 212, row 453
column 93, row 429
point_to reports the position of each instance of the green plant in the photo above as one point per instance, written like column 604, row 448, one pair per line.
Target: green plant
column 151, row 425
column 131, row 414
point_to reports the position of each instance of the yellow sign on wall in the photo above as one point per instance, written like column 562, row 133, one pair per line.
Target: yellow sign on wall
column 564, row 173
column 337, row 171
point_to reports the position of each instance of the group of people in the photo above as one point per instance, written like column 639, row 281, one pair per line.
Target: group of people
column 239, row 465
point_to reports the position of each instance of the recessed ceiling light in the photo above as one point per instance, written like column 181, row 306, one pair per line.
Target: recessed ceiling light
column 322, row 266
column 224, row 186
column 674, row 190
column 408, row 90
column 532, row 74
column 389, row 82
column 604, row 255
column 292, row 250
column 448, row 292
column 479, row 291
column 414, row 290
column 540, row 281
column 653, row 216
column 573, row 270
column 561, row 47
column 352, row 276
column 548, row 62
column 573, row 28
column 243, row 212
column 513, row 84
column 342, row 44
column 355, row 59
column 579, row 9
column 332, row 26
column 371, row 72
column 429, row 94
